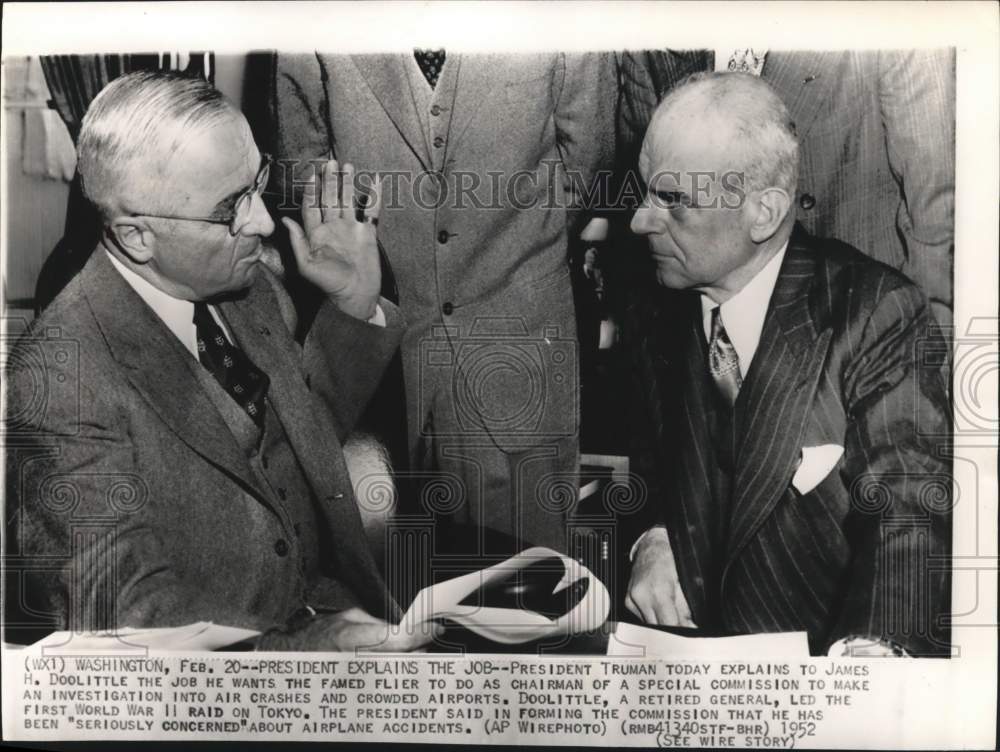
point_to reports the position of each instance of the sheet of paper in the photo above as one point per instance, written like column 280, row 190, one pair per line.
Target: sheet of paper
column 511, row 626
column 631, row 640
column 201, row 635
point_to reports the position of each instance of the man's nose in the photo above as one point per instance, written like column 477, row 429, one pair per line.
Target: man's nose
column 260, row 222
column 642, row 221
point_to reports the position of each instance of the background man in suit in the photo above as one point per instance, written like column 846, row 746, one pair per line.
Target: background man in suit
column 796, row 451
column 487, row 156
column 877, row 135
column 180, row 468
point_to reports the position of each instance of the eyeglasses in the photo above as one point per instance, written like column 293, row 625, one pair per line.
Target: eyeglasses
column 239, row 215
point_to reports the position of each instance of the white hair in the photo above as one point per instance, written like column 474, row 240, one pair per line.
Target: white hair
column 134, row 126
column 764, row 145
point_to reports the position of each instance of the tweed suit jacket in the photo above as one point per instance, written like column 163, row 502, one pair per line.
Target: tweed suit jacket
column 477, row 259
column 877, row 133
column 132, row 500
column 865, row 553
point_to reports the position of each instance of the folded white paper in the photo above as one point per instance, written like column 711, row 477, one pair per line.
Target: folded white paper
column 513, row 625
column 629, row 640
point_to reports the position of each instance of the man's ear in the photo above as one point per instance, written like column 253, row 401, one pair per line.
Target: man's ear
column 773, row 205
column 134, row 237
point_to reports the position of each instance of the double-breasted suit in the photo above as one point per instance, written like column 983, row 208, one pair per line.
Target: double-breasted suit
column 484, row 182
column 130, row 476
column 877, row 134
column 866, row 551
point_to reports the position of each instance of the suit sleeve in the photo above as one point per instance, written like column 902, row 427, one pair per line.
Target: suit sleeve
column 638, row 101
column 585, row 121
column 344, row 359
column 300, row 110
column 85, row 512
column 897, row 466
column 917, row 98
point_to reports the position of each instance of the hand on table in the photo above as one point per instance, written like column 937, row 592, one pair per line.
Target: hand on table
column 347, row 631
column 654, row 590
column 337, row 252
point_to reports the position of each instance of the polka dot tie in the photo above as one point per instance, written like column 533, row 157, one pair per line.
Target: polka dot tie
column 431, row 62
column 230, row 366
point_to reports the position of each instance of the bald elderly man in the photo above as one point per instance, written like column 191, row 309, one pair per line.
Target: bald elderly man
column 185, row 462
column 794, row 447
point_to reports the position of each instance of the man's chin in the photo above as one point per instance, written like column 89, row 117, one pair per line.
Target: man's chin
column 671, row 279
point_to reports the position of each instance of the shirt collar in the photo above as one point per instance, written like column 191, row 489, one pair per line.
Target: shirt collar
column 177, row 314
column 743, row 314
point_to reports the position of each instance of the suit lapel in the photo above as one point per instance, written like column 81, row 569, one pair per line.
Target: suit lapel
column 161, row 369
column 693, row 517
column 477, row 75
column 387, row 78
column 775, row 401
column 312, row 437
column 803, row 80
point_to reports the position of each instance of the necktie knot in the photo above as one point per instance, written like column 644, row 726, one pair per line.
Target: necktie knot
column 230, row 366
column 723, row 361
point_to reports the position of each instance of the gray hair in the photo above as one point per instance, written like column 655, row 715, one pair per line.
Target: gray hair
column 133, row 127
column 764, row 144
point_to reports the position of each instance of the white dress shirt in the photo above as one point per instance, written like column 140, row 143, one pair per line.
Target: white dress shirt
column 743, row 314
column 178, row 314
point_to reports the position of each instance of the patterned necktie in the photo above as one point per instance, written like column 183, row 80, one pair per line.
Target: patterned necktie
column 723, row 362
column 230, row 366
column 431, row 63
column 747, row 60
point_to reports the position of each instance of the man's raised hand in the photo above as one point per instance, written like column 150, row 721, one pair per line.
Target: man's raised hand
column 336, row 251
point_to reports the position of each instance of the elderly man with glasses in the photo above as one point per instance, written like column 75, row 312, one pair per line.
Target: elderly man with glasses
column 173, row 454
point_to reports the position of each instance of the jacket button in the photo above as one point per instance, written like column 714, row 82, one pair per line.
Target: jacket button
column 807, row 201
column 438, row 141
column 265, row 331
column 282, row 494
column 281, row 547
column 447, row 309
column 443, row 236
column 435, row 110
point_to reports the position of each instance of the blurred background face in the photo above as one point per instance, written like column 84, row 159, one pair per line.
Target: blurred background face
column 200, row 260
column 697, row 226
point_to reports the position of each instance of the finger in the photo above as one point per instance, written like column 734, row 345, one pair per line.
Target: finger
column 396, row 639
column 644, row 603
column 347, row 205
column 682, row 608
column 666, row 614
column 331, row 189
column 630, row 605
column 300, row 244
column 374, row 200
column 312, row 214
column 357, row 614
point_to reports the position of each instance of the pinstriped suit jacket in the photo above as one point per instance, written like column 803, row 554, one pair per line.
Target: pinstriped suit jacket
column 866, row 552
column 878, row 147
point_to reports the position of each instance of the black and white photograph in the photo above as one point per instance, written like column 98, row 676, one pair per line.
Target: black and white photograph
column 550, row 374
